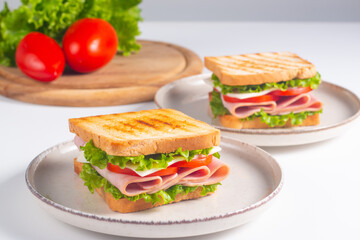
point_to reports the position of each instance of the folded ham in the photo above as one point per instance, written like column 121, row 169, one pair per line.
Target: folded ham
column 79, row 142
column 286, row 104
column 215, row 172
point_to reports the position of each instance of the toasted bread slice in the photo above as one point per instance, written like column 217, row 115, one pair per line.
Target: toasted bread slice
column 145, row 132
column 259, row 68
column 231, row 121
column 124, row 205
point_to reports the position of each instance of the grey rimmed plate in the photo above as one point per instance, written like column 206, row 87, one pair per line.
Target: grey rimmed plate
column 255, row 179
column 341, row 108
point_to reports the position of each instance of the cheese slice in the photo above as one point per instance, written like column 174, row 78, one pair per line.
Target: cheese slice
column 215, row 149
column 240, row 95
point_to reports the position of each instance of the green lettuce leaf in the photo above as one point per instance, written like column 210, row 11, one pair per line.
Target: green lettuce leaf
column 280, row 120
column 92, row 179
column 53, row 17
column 216, row 105
column 100, row 158
column 124, row 15
column 13, row 27
column 308, row 82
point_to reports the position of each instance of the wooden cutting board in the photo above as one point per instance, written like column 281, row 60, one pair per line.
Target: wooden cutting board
column 124, row 80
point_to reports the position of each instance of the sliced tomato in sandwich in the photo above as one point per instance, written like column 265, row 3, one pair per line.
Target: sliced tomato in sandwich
column 117, row 169
column 164, row 172
column 127, row 171
column 259, row 99
column 198, row 162
column 291, row 91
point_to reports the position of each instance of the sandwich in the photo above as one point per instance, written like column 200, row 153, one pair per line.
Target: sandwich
column 263, row 90
column 140, row 160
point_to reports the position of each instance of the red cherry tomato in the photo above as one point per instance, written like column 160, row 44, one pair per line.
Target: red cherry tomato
column 198, row 162
column 292, row 91
column 127, row 171
column 89, row 44
column 259, row 99
column 40, row 57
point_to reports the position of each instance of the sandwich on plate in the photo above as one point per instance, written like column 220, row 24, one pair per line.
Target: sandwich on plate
column 140, row 160
column 263, row 90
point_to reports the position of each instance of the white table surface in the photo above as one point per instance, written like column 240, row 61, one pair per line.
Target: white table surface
column 321, row 195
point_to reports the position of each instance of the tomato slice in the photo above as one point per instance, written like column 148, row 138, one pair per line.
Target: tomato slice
column 127, row 171
column 291, row 91
column 165, row 172
column 198, row 162
column 259, row 99
column 117, row 169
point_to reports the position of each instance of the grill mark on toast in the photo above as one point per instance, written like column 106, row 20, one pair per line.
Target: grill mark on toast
column 244, row 66
column 168, row 121
column 263, row 62
column 285, row 60
column 123, row 127
column 134, row 126
column 145, row 123
column 252, row 66
column 275, row 65
column 162, row 122
column 260, row 63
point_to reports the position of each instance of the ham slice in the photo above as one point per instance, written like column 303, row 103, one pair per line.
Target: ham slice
column 186, row 175
column 130, row 185
column 243, row 110
column 215, row 172
column 79, row 142
column 295, row 104
column 286, row 104
column 218, row 172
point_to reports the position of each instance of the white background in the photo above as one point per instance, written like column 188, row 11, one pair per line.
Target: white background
column 248, row 10
column 321, row 196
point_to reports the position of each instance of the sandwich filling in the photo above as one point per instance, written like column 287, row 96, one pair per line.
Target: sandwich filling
column 156, row 177
column 274, row 103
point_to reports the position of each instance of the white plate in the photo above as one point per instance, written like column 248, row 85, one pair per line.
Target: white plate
column 254, row 180
column 341, row 107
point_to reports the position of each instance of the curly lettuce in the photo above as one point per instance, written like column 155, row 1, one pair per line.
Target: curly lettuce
column 218, row 109
column 100, row 158
column 281, row 120
column 216, row 105
column 53, row 17
column 308, row 82
column 92, row 179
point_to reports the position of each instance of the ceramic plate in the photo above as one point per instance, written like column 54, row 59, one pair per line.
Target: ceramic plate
column 341, row 108
column 255, row 179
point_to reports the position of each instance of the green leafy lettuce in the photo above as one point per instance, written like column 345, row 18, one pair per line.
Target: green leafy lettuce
column 280, row 120
column 100, row 158
column 53, row 17
column 308, row 82
column 216, row 105
column 218, row 109
column 92, row 179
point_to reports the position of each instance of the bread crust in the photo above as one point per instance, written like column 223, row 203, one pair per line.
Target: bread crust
column 145, row 132
column 124, row 205
column 259, row 68
column 231, row 121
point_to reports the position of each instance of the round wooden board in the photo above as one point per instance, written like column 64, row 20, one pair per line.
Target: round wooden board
column 124, row 80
